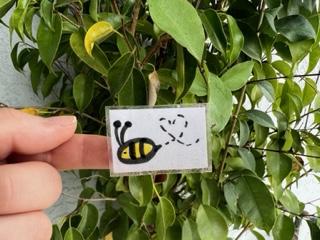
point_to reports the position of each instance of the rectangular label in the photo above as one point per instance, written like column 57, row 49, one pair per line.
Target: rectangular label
column 156, row 140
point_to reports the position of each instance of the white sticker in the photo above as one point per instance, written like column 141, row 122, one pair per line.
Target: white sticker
column 162, row 139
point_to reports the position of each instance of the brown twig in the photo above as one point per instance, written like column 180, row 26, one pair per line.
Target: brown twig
column 243, row 231
column 135, row 16
column 233, row 126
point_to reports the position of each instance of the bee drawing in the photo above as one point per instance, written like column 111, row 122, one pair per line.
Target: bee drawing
column 136, row 150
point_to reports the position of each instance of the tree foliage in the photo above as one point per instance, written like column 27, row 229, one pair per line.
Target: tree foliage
column 240, row 56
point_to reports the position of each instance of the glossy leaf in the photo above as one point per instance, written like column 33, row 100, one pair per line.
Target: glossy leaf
column 99, row 62
column 291, row 202
column 89, row 220
column 97, row 33
column 237, row 76
column 210, row 192
column 313, row 150
column 213, row 26
column 309, row 91
column 165, row 217
column 134, row 91
column 5, row 5
column 93, row 9
column 164, row 13
column 236, row 40
column 141, row 188
column 260, row 118
column 190, row 230
column 278, row 164
column 137, row 235
column 220, row 103
column 83, row 87
column 295, row 28
column 186, row 71
column 46, row 13
column 48, row 84
column 244, row 132
column 48, row 40
column 120, row 72
column 255, row 201
column 247, row 158
column 211, row 224
column 131, row 207
column 56, row 234
column 73, row 234
column 283, row 228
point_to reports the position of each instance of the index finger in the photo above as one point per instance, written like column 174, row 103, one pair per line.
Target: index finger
column 80, row 152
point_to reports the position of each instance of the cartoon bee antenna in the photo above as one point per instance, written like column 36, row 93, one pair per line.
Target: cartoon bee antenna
column 136, row 150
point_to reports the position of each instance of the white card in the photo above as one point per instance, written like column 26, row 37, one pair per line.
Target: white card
column 157, row 140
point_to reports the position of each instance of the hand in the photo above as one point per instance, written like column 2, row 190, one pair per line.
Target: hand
column 31, row 150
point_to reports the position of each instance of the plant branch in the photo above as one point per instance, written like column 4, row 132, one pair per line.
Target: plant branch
column 297, row 179
column 233, row 126
column 273, row 150
column 305, row 115
column 283, row 77
column 89, row 199
column 135, row 16
column 243, row 231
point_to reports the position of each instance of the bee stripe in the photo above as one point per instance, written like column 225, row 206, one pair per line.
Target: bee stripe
column 141, row 149
column 132, row 151
column 137, row 149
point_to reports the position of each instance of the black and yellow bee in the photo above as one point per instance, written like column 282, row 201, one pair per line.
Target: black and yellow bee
column 136, row 150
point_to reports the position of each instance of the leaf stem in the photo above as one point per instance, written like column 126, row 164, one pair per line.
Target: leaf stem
column 155, row 190
column 233, row 126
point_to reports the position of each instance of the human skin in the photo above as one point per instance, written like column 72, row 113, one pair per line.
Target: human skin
column 32, row 151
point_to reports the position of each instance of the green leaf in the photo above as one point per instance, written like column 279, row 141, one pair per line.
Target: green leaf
column 255, row 201
column 5, row 5
column 299, row 50
column 295, row 28
column 210, row 192
column 314, row 230
column 237, row 76
column 261, row 134
column 186, row 29
column 99, row 62
column 244, row 132
column 235, row 38
column 248, row 159
column 46, row 13
column 134, row 91
column 168, row 184
column 186, row 71
column 93, row 9
column 199, row 86
column 165, row 217
column 48, row 40
column 211, row 224
column 213, row 26
column 190, row 231
column 267, row 90
column 83, row 87
column 314, row 150
column 231, row 196
column 137, row 234
column 73, row 234
column 95, row 235
column 86, row 193
column 313, row 58
column 141, row 188
column 252, row 45
column 130, row 207
column 28, row 23
column 309, row 91
column 283, row 228
column 260, row 118
column 291, row 202
column 282, row 67
column 56, row 234
column 220, row 103
column 89, row 220
column 36, row 69
column 48, row 84
column 278, row 164
column 120, row 72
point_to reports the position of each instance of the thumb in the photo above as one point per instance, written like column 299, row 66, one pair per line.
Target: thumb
column 27, row 134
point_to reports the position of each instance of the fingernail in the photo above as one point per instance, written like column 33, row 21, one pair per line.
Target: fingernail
column 62, row 121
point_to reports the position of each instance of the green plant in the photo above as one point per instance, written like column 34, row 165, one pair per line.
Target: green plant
column 237, row 55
